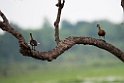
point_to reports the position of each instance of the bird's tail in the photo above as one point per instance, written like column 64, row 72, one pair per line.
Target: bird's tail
column 29, row 43
column 38, row 43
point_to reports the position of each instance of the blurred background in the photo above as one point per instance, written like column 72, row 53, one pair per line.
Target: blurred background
column 81, row 63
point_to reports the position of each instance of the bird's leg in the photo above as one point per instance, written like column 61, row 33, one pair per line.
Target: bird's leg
column 104, row 37
column 34, row 47
column 99, row 37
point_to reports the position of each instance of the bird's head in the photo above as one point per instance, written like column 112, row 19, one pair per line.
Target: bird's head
column 98, row 25
column 30, row 34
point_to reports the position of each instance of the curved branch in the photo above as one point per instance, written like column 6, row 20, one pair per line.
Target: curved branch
column 5, row 26
column 62, row 45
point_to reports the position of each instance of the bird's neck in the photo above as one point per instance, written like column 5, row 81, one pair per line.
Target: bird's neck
column 31, row 37
column 99, row 28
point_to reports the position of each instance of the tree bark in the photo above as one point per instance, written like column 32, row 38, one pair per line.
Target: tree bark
column 62, row 45
column 122, row 4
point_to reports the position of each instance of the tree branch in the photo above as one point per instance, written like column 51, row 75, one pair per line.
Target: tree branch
column 122, row 4
column 62, row 45
column 56, row 23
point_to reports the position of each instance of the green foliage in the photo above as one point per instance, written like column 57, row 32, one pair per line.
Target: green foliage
column 60, row 74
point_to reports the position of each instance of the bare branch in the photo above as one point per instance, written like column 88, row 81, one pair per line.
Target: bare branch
column 62, row 45
column 122, row 3
column 3, row 16
column 56, row 23
column 5, row 26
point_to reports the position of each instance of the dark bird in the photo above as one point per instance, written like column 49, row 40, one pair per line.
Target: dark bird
column 101, row 32
column 33, row 42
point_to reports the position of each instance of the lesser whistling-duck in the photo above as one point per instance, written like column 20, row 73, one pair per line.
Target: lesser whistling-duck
column 101, row 32
column 33, row 42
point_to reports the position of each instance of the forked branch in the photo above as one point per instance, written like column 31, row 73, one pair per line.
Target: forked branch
column 62, row 45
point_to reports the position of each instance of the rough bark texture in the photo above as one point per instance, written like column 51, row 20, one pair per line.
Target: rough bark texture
column 62, row 45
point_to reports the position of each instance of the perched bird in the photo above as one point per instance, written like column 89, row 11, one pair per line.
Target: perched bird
column 33, row 42
column 101, row 32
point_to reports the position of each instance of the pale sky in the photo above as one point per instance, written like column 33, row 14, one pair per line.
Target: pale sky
column 31, row 13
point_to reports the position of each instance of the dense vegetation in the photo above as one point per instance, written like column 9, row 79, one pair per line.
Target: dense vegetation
column 78, row 57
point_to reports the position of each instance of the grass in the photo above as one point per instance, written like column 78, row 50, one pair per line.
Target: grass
column 58, row 74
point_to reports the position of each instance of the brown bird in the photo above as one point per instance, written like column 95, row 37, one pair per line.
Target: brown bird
column 33, row 42
column 101, row 32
